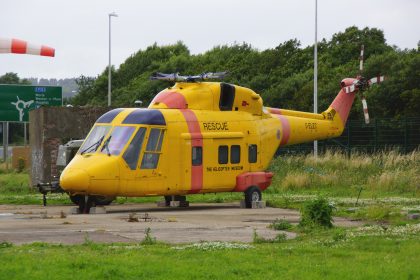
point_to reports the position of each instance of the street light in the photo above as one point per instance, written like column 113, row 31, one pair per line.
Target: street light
column 113, row 14
column 316, row 72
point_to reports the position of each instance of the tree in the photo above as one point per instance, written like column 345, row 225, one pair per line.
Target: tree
column 13, row 78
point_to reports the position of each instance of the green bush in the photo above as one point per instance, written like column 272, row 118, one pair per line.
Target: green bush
column 280, row 224
column 316, row 213
column 21, row 164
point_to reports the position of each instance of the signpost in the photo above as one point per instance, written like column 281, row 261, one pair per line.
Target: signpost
column 17, row 100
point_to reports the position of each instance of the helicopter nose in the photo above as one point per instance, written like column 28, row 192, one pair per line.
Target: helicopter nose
column 74, row 180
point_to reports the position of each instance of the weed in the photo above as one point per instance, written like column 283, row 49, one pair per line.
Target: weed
column 21, row 164
column 257, row 239
column 87, row 241
column 280, row 224
column 378, row 212
column 213, row 246
column 5, row 244
column 317, row 212
column 148, row 238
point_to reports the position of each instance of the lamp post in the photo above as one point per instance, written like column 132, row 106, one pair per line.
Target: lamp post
column 113, row 14
column 316, row 73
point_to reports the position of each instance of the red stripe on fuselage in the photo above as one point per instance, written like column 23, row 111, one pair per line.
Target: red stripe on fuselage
column 274, row 111
column 196, row 141
column 171, row 99
column 342, row 104
column 18, row 46
column 285, row 125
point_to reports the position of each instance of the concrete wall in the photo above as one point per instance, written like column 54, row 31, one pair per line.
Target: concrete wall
column 50, row 127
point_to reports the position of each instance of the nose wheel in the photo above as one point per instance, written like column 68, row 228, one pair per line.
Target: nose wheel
column 85, row 202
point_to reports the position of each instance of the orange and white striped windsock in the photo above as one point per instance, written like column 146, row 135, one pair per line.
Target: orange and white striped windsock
column 23, row 47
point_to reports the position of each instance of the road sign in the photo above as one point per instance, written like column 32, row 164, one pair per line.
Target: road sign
column 17, row 100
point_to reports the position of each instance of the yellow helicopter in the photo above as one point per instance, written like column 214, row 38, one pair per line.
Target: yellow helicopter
column 196, row 137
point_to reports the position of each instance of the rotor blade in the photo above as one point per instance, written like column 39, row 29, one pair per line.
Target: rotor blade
column 365, row 110
column 362, row 52
column 174, row 77
column 376, row 80
column 214, row 75
column 349, row 89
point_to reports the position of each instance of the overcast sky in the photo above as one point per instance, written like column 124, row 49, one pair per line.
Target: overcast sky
column 78, row 29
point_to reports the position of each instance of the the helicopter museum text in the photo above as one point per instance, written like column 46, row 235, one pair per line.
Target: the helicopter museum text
column 224, row 168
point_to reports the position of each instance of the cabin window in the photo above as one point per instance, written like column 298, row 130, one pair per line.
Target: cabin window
column 252, row 153
column 95, row 138
column 235, row 154
column 131, row 155
column 223, row 154
column 154, row 145
column 119, row 137
column 227, row 96
column 197, row 156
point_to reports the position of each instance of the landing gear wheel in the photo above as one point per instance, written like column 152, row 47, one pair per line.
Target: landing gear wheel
column 98, row 199
column 252, row 194
column 169, row 198
column 103, row 200
column 76, row 198
column 85, row 204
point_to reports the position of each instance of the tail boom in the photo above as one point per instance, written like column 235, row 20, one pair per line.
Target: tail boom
column 300, row 127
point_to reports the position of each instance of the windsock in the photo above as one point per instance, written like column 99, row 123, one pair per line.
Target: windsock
column 23, row 47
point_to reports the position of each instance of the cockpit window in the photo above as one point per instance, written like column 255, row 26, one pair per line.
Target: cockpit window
column 116, row 141
column 152, row 152
column 131, row 155
column 95, row 138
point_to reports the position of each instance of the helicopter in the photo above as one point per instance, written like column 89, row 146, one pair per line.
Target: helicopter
column 197, row 137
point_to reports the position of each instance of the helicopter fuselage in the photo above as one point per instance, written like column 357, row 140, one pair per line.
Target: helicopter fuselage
column 193, row 138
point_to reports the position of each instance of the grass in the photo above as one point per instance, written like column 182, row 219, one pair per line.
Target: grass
column 389, row 185
column 387, row 248
column 334, row 174
column 327, row 256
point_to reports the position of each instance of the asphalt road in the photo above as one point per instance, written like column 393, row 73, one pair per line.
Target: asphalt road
column 199, row 222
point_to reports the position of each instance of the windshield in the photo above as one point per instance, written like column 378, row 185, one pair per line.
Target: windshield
column 117, row 140
column 94, row 139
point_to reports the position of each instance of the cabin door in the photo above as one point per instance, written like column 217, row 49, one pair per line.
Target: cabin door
column 192, row 165
column 146, row 176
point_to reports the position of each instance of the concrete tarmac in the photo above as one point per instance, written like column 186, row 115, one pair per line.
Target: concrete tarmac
column 199, row 222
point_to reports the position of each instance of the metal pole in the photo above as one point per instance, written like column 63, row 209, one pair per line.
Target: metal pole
column 24, row 134
column 316, row 73
column 4, row 142
column 109, row 57
column 109, row 63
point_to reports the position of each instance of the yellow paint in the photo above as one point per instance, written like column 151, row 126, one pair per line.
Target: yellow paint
column 247, row 123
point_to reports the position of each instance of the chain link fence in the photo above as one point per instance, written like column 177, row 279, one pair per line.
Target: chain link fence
column 380, row 135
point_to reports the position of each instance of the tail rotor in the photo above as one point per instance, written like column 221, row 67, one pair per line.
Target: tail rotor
column 361, row 84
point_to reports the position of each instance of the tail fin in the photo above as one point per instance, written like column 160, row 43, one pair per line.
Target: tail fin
column 342, row 103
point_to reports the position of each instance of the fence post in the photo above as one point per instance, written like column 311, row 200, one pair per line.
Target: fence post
column 376, row 135
column 348, row 139
column 405, row 135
